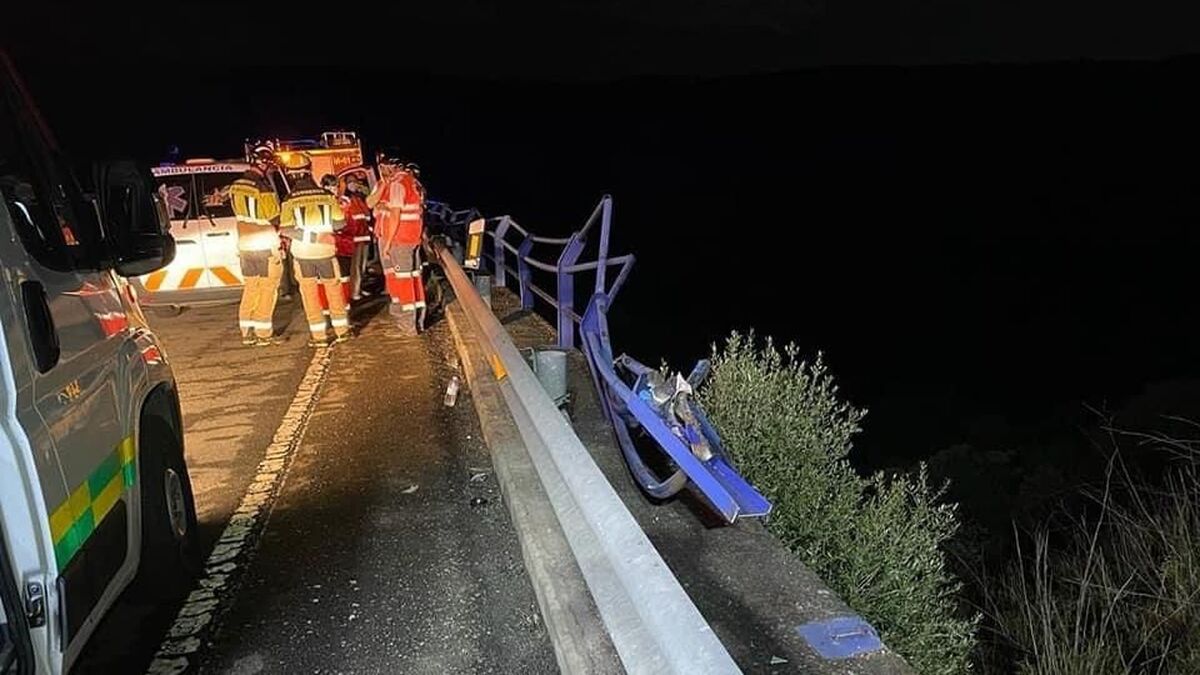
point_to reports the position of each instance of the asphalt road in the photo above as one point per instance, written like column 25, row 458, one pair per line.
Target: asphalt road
column 387, row 548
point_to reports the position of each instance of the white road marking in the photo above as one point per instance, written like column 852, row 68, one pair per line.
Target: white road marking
column 240, row 536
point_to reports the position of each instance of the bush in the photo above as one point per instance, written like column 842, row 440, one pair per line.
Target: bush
column 876, row 541
column 1116, row 591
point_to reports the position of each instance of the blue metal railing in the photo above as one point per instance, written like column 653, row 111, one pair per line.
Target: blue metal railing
column 635, row 398
column 508, row 237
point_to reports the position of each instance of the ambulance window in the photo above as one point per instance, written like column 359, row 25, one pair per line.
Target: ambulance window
column 42, row 222
column 179, row 196
column 214, row 193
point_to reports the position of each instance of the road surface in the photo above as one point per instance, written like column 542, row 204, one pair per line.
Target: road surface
column 384, row 545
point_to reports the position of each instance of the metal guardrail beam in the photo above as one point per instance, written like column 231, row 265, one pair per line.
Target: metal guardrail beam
column 652, row 622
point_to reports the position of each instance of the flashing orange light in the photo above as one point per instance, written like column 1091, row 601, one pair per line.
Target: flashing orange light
column 200, row 160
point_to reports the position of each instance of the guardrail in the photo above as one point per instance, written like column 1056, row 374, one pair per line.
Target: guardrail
column 652, row 623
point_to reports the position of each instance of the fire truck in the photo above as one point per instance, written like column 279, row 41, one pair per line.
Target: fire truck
column 335, row 153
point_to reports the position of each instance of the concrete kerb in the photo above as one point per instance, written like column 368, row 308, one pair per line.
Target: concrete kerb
column 577, row 632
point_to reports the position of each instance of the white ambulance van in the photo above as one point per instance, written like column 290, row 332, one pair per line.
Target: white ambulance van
column 206, row 269
column 93, row 482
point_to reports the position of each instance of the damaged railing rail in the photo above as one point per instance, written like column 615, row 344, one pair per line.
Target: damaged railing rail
column 635, row 399
column 653, row 624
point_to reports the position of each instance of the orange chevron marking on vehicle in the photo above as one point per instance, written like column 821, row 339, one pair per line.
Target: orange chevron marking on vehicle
column 191, row 277
column 228, row 278
column 156, row 280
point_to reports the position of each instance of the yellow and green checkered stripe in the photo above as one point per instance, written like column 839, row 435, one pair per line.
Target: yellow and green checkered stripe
column 75, row 519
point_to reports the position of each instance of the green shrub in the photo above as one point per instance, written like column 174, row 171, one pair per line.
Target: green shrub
column 875, row 541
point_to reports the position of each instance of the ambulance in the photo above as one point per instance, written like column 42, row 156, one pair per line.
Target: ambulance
column 206, row 268
column 94, row 487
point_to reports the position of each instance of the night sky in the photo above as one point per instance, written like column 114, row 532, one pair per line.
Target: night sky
column 983, row 213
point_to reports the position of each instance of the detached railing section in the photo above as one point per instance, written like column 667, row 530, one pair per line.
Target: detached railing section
column 635, row 398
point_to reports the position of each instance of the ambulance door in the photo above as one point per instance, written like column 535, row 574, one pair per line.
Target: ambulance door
column 188, row 270
column 77, row 397
column 218, row 229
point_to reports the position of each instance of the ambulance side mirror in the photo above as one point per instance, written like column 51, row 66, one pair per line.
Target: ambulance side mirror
column 137, row 227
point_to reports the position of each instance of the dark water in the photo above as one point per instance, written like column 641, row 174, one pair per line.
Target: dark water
column 973, row 248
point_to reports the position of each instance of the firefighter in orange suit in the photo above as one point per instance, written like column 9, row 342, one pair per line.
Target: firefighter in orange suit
column 256, row 208
column 309, row 217
column 398, row 202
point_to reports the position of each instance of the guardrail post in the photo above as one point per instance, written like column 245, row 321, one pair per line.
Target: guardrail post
column 498, row 258
column 566, row 291
column 525, row 272
column 605, row 224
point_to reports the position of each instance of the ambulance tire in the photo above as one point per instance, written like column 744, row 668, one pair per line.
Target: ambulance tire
column 170, row 553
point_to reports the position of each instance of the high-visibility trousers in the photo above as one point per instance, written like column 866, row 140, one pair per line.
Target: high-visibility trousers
column 402, row 269
column 261, row 271
column 344, row 273
column 314, row 276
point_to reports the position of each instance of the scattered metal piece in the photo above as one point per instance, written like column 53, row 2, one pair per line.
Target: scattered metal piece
column 410, row 489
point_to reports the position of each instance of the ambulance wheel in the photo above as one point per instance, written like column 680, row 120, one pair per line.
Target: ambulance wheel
column 170, row 553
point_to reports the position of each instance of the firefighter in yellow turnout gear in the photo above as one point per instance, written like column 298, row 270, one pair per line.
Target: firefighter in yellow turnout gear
column 256, row 207
column 309, row 217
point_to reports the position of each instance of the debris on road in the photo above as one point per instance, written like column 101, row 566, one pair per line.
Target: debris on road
column 451, row 392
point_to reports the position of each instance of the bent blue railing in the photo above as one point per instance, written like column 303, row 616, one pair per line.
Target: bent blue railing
column 634, row 397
